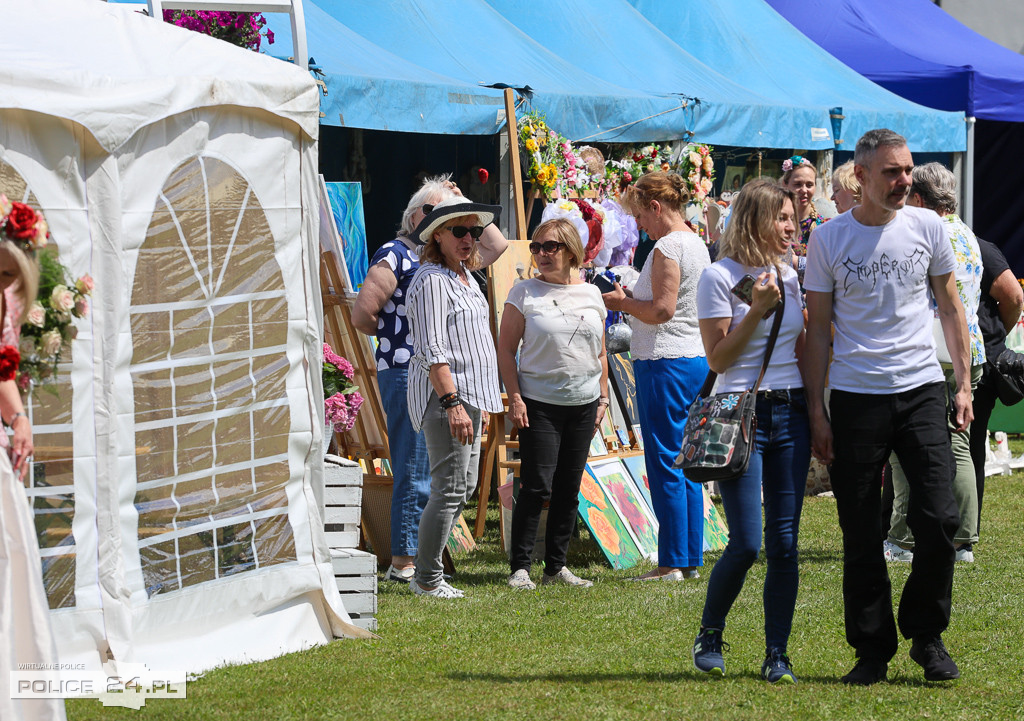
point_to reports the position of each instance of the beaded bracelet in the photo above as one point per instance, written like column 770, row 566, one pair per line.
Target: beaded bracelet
column 450, row 400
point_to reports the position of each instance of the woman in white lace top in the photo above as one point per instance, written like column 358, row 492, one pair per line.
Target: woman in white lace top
column 668, row 363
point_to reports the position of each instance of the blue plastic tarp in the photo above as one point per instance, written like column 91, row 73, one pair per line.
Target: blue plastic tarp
column 614, row 37
column 756, row 47
column 916, row 50
column 469, row 44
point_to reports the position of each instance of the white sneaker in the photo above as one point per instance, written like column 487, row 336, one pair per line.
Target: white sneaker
column 565, row 577
column 965, row 554
column 403, row 575
column 895, row 554
column 520, row 580
column 442, row 590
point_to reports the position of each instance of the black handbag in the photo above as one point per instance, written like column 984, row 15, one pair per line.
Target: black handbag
column 1008, row 373
column 720, row 429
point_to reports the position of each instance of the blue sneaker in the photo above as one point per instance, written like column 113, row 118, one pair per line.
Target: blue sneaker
column 777, row 668
column 707, row 652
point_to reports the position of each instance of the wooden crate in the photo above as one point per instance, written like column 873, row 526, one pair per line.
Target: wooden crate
column 355, row 572
column 343, row 499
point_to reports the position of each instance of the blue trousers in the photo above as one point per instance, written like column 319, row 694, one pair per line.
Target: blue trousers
column 409, row 463
column 778, row 464
column 665, row 388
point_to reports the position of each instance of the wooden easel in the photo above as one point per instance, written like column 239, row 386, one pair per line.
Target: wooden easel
column 368, row 439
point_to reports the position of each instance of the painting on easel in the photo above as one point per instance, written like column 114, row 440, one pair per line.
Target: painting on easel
column 605, row 526
column 620, row 372
column 346, row 201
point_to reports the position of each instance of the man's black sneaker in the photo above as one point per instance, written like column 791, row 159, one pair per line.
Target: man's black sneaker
column 867, row 672
column 931, row 655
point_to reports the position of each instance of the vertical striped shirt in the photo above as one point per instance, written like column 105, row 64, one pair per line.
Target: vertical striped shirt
column 450, row 324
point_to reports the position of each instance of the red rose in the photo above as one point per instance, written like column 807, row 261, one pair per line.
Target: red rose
column 482, row 172
column 21, row 223
column 654, row 153
column 9, row 360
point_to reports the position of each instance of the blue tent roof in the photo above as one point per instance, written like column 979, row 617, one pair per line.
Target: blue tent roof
column 752, row 44
column 918, row 50
column 633, row 53
column 470, row 43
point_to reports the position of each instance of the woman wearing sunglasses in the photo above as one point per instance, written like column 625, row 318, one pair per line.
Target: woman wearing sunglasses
column 557, row 395
column 453, row 373
column 668, row 363
column 380, row 311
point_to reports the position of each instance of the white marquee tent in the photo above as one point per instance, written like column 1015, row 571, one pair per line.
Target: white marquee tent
column 175, row 475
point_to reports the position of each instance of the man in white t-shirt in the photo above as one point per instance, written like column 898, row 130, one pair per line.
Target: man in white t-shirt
column 869, row 272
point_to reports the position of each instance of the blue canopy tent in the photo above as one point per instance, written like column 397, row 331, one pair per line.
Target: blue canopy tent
column 921, row 52
column 752, row 44
column 607, row 34
column 473, row 44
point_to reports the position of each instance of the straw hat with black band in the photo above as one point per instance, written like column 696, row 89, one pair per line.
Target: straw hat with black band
column 457, row 207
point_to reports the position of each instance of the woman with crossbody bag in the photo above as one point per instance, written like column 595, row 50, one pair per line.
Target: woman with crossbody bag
column 737, row 299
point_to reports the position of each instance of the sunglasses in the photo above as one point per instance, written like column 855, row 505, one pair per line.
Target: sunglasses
column 459, row 231
column 548, row 246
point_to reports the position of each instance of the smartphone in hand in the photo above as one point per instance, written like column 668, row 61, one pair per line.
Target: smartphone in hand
column 744, row 290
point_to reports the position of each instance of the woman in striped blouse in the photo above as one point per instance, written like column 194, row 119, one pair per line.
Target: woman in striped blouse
column 453, row 375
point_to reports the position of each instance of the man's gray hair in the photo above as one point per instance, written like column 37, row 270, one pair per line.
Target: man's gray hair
column 936, row 185
column 873, row 140
column 433, row 190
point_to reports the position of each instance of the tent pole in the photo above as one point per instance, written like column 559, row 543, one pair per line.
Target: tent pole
column 515, row 169
column 968, row 185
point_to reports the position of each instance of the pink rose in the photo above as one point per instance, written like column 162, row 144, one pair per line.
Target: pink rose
column 37, row 314
column 62, row 299
column 50, row 343
column 84, row 285
column 81, row 307
column 5, row 206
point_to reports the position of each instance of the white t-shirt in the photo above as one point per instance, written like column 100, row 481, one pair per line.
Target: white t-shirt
column 559, row 362
column 678, row 337
column 715, row 300
column 879, row 280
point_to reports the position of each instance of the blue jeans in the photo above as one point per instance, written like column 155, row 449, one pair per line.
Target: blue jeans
column 778, row 463
column 409, row 463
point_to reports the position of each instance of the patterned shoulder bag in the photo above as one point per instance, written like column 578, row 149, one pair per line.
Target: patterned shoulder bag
column 720, row 429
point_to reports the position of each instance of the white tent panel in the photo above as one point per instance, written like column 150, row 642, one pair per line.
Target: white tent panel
column 183, row 502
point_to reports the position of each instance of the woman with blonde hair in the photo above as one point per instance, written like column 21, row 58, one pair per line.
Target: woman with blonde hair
column 380, row 311
column 845, row 188
column 557, row 395
column 24, row 610
column 453, row 373
column 737, row 299
column 668, row 363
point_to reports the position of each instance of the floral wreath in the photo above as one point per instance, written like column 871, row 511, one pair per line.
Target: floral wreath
column 48, row 327
column 795, row 162
column 698, row 169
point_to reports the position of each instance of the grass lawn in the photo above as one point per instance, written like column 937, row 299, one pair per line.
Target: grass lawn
column 622, row 650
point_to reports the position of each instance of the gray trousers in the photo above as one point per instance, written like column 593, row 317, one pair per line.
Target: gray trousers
column 453, row 477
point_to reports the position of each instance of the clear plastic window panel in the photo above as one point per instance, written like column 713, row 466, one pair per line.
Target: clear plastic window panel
column 209, row 330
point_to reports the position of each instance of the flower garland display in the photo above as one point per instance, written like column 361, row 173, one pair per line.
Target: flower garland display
column 696, row 165
column 553, row 165
column 48, row 328
column 246, row 30
column 342, row 399
column 632, row 163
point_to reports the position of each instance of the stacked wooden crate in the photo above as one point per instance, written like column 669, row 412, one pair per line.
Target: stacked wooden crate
column 355, row 571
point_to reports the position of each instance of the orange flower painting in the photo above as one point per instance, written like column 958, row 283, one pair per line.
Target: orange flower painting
column 590, row 491
column 603, row 531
